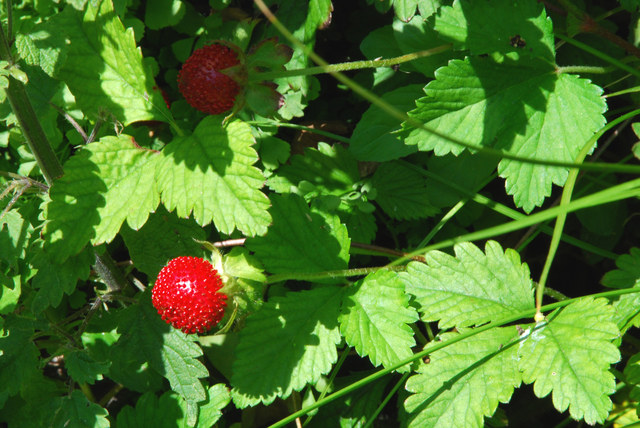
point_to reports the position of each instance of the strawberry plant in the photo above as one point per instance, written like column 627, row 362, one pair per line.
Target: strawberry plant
column 414, row 213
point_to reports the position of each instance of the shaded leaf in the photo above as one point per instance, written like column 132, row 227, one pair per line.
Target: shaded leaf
column 304, row 324
column 306, row 241
column 170, row 352
column 402, row 192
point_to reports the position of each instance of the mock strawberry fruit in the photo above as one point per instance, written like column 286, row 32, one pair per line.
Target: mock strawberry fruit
column 205, row 79
column 186, row 295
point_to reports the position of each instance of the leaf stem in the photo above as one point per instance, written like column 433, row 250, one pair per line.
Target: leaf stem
column 311, row 276
column 603, row 56
column 583, row 69
column 348, row 66
column 31, row 129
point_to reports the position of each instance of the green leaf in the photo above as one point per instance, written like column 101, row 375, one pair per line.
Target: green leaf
column 211, row 174
column 569, row 354
column 627, row 275
column 83, row 368
column 42, row 48
column 374, row 138
column 329, row 169
column 306, row 241
column 471, row 288
column 464, row 382
column 10, row 291
column 218, row 396
column 170, row 410
column 499, row 26
column 418, row 35
column 163, row 13
column 163, row 237
column 405, row 9
column 401, row 192
column 55, row 279
column 375, row 316
column 76, row 411
column 628, row 272
column 104, row 69
column 103, row 185
column 170, row 352
column 517, row 105
column 18, row 356
column 15, row 232
column 467, row 171
column 303, row 323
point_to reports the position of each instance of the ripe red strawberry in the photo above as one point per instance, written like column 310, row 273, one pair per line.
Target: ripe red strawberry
column 186, row 294
column 203, row 85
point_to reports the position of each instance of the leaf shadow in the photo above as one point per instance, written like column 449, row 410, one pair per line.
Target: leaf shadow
column 72, row 213
column 208, row 149
column 274, row 374
column 505, row 117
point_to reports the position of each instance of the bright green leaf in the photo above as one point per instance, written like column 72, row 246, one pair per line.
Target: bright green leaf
column 290, row 342
column 471, row 288
column 464, row 382
column 569, row 355
column 306, row 241
column 103, row 185
column 104, row 68
column 211, row 174
column 375, row 316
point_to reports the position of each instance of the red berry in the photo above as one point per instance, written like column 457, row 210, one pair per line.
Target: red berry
column 186, row 294
column 203, row 85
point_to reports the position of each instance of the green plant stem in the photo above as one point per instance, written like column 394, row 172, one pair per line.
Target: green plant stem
column 440, row 345
column 403, row 117
column 622, row 191
column 391, row 393
column 31, row 129
column 314, row 276
column 509, row 212
column 603, row 56
column 583, row 69
column 301, row 128
column 332, row 377
column 348, row 66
